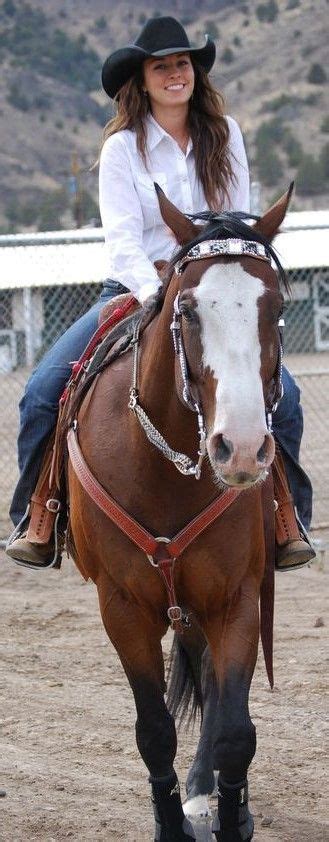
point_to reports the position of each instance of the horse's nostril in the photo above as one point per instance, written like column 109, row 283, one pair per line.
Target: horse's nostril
column 224, row 449
column 261, row 455
column 264, row 451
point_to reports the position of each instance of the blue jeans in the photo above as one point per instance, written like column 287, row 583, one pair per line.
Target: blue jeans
column 39, row 404
column 39, row 408
column 288, row 431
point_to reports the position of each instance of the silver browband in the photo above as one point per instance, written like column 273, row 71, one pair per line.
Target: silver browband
column 230, row 247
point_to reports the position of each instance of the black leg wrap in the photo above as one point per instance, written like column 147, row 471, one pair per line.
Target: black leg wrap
column 170, row 823
column 234, row 822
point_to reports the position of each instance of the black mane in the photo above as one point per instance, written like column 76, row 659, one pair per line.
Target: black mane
column 222, row 226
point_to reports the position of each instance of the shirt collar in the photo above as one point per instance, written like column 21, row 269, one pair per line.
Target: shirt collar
column 156, row 133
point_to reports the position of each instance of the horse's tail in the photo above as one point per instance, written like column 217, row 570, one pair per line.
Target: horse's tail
column 184, row 694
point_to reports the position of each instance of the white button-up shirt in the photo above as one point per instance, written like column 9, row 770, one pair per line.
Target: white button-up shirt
column 135, row 233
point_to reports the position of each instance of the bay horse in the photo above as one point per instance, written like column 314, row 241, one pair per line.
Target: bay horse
column 222, row 304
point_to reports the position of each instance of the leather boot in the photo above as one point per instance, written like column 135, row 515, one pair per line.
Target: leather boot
column 39, row 540
column 293, row 548
column 35, row 555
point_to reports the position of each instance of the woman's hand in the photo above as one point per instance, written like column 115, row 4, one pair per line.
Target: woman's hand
column 116, row 303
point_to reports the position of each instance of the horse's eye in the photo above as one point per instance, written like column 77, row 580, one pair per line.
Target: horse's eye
column 189, row 314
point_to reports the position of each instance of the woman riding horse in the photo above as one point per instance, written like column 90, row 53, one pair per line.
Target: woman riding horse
column 170, row 128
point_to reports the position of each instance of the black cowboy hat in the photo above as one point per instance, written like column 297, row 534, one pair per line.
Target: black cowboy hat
column 159, row 37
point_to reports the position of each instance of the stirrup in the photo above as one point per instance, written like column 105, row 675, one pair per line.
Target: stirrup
column 304, row 562
column 55, row 561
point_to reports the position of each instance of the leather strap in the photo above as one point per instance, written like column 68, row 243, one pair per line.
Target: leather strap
column 118, row 314
column 140, row 536
column 45, row 502
column 286, row 527
column 163, row 552
column 267, row 586
column 143, row 539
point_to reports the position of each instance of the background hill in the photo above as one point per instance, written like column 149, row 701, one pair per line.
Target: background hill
column 271, row 66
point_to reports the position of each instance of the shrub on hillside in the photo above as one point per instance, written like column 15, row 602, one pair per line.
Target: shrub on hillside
column 317, row 75
column 9, row 8
column 267, row 12
column 269, row 167
column 324, row 161
column 325, row 125
column 227, row 55
column 50, row 210
column 51, row 52
column 101, row 23
column 21, row 214
column 293, row 4
column 89, row 208
column 279, row 102
column 293, row 148
column 269, row 133
column 17, row 98
column 211, row 28
column 309, row 176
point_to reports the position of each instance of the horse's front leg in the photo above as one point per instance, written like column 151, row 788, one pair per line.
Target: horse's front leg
column 200, row 780
column 136, row 635
column 234, row 655
column 227, row 727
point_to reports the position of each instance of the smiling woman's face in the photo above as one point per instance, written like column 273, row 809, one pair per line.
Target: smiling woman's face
column 168, row 80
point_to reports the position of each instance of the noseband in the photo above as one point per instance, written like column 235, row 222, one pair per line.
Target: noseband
column 208, row 248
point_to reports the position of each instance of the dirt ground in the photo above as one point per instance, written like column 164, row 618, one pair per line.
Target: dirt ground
column 69, row 763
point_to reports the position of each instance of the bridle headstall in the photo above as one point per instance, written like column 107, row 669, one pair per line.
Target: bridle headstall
column 162, row 552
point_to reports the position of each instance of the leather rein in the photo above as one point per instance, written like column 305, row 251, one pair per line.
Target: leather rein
column 162, row 552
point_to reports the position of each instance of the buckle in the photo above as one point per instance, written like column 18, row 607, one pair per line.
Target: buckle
column 159, row 540
column 175, row 613
column 53, row 505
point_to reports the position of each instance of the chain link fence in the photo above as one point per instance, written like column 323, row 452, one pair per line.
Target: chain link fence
column 47, row 283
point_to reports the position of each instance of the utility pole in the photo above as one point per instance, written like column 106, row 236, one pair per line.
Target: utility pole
column 75, row 190
column 255, row 198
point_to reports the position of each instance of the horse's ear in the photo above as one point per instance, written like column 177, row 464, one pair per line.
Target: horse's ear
column 184, row 229
column 272, row 219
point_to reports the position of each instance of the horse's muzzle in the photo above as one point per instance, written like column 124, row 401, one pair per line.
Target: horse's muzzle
column 240, row 464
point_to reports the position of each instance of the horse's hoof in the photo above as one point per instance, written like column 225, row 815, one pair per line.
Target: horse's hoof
column 197, row 809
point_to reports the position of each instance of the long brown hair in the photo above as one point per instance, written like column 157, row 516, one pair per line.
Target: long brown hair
column 208, row 127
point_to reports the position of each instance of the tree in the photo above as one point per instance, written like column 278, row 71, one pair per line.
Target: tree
column 317, row 75
column 324, row 161
column 293, row 148
column 228, row 55
column 325, row 125
column 267, row 12
column 309, row 176
column 269, row 168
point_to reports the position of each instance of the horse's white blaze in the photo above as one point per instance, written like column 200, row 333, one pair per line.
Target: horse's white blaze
column 197, row 808
column 227, row 299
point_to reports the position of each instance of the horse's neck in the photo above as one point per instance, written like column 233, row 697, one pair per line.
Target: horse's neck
column 157, row 372
column 157, row 355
